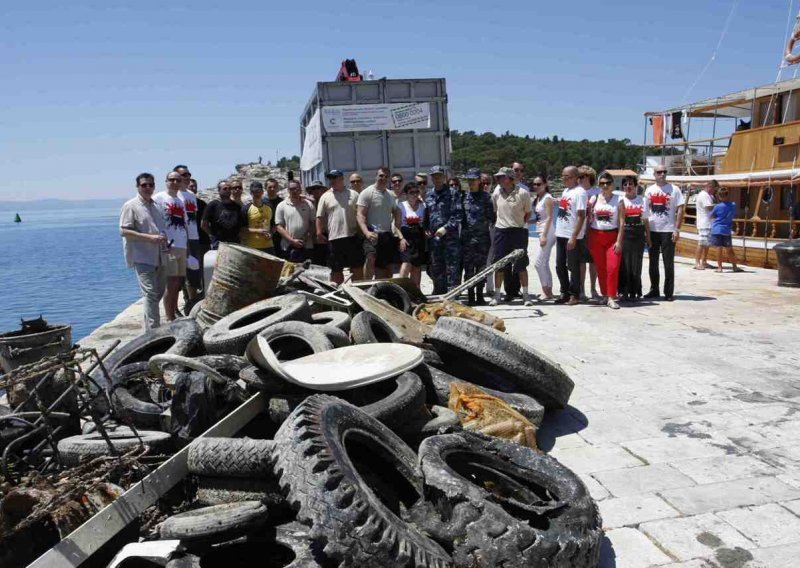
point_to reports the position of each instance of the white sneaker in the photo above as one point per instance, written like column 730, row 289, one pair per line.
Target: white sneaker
column 612, row 303
column 527, row 301
column 494, row 302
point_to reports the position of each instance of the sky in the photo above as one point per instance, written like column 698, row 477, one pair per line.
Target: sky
column 94, row 92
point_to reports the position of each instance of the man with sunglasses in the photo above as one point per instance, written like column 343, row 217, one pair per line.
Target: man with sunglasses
column 443, row 208
column 356, row 182
column 587, row 177
column 175, row 220
column 519, row 174
column 397, row 187
column 144, row 232
column 190, row 204
column 338, row 226
column 378, row 215
column 223, row 218
column 570, row 230
column 665, row 203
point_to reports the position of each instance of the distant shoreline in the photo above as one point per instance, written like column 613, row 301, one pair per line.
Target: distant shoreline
column 66, row 203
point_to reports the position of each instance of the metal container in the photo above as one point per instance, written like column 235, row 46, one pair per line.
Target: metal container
column 35, row 340
column 788, row 254
column 405, row 150
column 242, row 276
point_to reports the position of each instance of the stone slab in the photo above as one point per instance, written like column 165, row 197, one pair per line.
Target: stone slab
column 593, row 458
column 630, row 548
column 694, row 537
column 729, row 495
column 642, row 479
column 765, row 525
column 630, row 511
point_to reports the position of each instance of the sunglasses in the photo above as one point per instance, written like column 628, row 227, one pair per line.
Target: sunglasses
column 381, row 176
column 537, row 184
column 519, row 169
column 235, row 187
column 147, row 185
column 605, row 183
column 356, row 181
column 453, row 184
column 421, row 183
column 413, row 192
column 661, row 172
column 397, row 181
column 186, row 174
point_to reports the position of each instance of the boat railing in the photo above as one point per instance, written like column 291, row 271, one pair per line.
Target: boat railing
column 756, row 228
column 699, row 156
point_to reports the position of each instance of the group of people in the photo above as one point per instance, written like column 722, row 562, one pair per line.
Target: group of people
column 393, row 226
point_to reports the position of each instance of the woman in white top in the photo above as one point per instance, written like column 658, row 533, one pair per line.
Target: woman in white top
column 412, row 226
column 546, row 233
column 607, row 217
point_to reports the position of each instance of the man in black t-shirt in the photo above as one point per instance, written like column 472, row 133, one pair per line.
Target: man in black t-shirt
column 223, row 219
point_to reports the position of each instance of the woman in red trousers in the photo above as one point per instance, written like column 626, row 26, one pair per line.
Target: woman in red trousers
column 605, row 238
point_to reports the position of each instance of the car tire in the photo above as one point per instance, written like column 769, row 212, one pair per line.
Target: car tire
column 230, row 457
column 337, row 319
column 216, row 523
column 392, row 294
column 88, row 446
column 369, row 328
column 130, row 407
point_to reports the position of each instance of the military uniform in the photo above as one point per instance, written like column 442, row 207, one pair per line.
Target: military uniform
column 444, row 210
column 475, row 238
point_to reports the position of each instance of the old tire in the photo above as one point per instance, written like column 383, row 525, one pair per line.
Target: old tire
column 76, row 448
column 132, row 402
column 336, row 336
column 337, row 319
column 366, row 327
column 232, row 333
column 216, row 523
column 437, row 384
column 196, row 310
column 180, row 337
column 297, row 539
column 505, row 505
column 495, row 359
column 398, row 403
column 354, row 483
column 294, row 339
column 221, row 490
column 392, row 294
column 230, row 457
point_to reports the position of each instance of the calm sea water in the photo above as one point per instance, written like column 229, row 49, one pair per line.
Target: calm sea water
column 63, row 262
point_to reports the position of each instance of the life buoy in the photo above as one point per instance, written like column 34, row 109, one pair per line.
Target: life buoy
column 788, row 56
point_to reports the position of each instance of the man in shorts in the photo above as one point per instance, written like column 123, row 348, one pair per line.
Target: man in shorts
column 295, row 220
column 704, row 204
column 337, row 225
column 174, row 213
column 141, row 224
column 377, row 209
column 319, row 254
column 512, row 206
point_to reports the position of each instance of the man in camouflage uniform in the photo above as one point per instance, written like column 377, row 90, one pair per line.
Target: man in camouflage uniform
column 475, row 238
column 443, row 207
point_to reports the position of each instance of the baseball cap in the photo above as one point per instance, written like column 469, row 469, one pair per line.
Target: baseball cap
column 334, row 174
column 315, row 183
column 436, row 170
column 256, row 186
column 507, row 172
column 473, row 173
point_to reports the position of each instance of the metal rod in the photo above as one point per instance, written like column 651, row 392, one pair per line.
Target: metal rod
column 481, row 276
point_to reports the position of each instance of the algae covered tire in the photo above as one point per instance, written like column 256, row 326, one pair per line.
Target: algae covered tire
column 392, row 294
column 215, row 523
column 354, row 482
column 502, row 504
column 337, row 319
column 230, row 457
column 232, row 333
column 495, row 359
column 180, row 337
column 220, row 490
column 142, row 413
column 366, row 327
column 90, row 446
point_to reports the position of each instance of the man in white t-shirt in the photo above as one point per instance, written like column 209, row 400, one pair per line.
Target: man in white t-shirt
column 704, row 203
column 665, row 203
column 587, row 178
column 570, row 230
column 174, row 212
column 192, row 290
column 378, row 216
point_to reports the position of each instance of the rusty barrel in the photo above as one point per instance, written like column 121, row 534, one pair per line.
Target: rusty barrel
column 35, row 340
column 242, row 276
column 788, row 254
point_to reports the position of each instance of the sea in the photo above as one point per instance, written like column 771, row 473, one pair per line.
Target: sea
column 64, row 262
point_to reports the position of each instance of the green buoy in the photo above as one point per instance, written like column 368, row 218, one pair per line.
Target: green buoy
column 17, row 218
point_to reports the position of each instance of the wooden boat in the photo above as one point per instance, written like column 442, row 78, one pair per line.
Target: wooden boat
column 754, row 150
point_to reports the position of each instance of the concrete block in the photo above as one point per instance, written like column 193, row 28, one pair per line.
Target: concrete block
column 596, row 458
column 766, row 525
column 628, row 511
column 597, row 491
column 723, row 468
column 692, row 537
column 629, row 548
column 775, row 557
column 609, row 426
column 728, row 495
column 643, row 479
column 793, row 506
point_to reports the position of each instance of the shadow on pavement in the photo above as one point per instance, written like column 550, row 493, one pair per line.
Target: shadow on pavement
column 608, row 558
column 557, row 423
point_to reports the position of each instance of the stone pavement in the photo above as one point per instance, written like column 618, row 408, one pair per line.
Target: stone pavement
column 684, row 420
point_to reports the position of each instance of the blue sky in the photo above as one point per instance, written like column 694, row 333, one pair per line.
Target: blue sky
column 94, row 92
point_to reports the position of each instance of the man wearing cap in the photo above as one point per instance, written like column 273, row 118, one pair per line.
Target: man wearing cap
column 294, row 221
column 319, row 254
column 258, row 233
column 337, row 226
column 377, row 208
column 443, row 206
column 512, row 206
column 475, row 239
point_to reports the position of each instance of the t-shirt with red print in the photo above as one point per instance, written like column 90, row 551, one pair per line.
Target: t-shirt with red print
column 605, row 215
column 635, row 211
column 190, row 204
column 174, row 218
column 662, row 203
column 570, row 202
